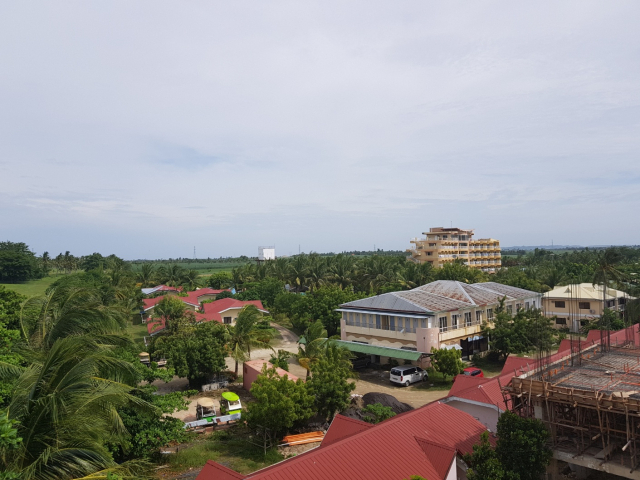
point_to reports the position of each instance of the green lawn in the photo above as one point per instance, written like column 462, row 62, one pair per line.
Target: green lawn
column 32, row 287
column 137, row 332
column 230, row 447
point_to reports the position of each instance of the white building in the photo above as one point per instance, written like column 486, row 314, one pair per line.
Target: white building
column 266, row 253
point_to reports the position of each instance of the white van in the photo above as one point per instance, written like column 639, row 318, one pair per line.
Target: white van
column 408, row 374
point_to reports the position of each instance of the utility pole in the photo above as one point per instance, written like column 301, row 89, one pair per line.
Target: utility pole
column 194, row 252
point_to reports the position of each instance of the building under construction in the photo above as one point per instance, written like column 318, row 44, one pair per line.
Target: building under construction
column 589, row 398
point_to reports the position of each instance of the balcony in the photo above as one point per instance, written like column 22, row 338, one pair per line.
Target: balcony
column 408, row 334
column 460, row 332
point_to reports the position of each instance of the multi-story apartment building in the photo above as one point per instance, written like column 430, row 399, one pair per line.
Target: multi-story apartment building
column 443, row 245
column 575, row 305
column 441, row 314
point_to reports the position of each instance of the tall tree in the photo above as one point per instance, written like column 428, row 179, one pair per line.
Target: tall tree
column 245, row 334
column 279, row 404
column 523, row 446
column 66, row 405
column 315, row 336
column 329, row 382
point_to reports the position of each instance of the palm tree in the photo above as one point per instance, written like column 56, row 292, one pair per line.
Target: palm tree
column 606, row 272
column 66, row 405
column 341, row 270
column 69, row 311
column 315, row 336
column 146, row 274
column 245, row 334
column 190, row 280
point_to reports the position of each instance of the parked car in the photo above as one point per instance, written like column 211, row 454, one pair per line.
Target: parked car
column 361, row 362
column 473, row 372
column 408, row 374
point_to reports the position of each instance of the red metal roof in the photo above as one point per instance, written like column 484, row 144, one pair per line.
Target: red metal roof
column 343, row 427
column 440, row 457
column 482, row 390
column 215, row 471
column 212, row 311
column 372, row 454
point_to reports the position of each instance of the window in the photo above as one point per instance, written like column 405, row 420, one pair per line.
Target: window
column 392, row 323
column 454, row 321
column 561, row 321
column 443, row 324
column 584, row 305
column 378, row 325
column 467, row 319
column 489, row 313
column 350, row 322
column 478, row 316
column 510, row 309
column 518, row 306
column 559, row 304
column 611, row 303
column 357, row 319
column 227, row 320
column 429, row 254
column 622, row 301
column 526, row 305
column 423, row 323
column 371, row 321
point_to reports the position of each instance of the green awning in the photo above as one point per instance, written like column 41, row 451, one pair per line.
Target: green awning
column 378, row 350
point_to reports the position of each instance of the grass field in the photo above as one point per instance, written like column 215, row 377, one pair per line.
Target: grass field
column 33, row 287
column 230, row 447
column 137, row 332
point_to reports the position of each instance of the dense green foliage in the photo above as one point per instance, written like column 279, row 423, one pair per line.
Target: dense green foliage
column 18, row 263
column 279, row 405
column 485, row 464
column 194, row 351
column 523, row 446
column 151, row 429
column 448, row 362
column 329, row 382
column 521, row 453
column 376, row 413
column 280, row 359
column 520, row 333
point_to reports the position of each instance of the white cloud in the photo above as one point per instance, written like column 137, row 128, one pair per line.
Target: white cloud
column 328, row 124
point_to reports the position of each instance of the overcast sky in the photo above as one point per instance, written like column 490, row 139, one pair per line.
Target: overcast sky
column 147, row 128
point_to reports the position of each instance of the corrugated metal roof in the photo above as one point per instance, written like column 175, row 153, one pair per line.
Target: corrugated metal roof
column 440, row 296
column 440, row 456
column 343, row 427
column 478, row 389
column 508, row 290
column 392, row 302
column 434, row 303
column 378, row 350
column 214, row 471
column 369, row 455
column 585, row 291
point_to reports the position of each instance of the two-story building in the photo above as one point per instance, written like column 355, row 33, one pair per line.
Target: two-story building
column 573, row 306
column 441, row 314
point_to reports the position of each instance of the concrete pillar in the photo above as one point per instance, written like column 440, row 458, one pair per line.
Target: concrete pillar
column 343, row 329
column 426, row 338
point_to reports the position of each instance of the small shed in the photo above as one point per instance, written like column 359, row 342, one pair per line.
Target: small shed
column 253, row 368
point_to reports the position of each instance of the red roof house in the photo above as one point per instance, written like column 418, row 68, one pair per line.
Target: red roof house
column 426, row 442
column 225, row 311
